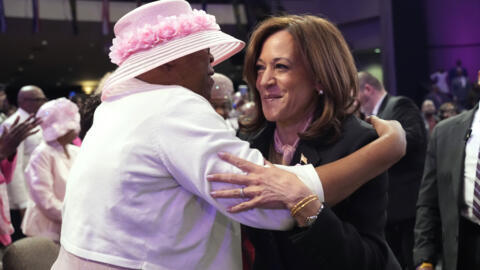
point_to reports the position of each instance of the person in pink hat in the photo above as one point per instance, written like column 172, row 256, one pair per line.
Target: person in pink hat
column 48, row 168
column 138, row 196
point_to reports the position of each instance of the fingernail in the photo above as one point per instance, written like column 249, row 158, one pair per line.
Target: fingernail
column 221, row 154
column 213, row 193
column 210, row 177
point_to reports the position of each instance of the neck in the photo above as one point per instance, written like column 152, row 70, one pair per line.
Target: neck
column 288, row 131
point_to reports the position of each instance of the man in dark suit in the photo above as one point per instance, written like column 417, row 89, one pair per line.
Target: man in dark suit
column 405, row 176
column 448, row 224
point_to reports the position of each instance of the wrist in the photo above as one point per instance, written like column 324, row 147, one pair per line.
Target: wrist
column 297, row 197
column 307, row 216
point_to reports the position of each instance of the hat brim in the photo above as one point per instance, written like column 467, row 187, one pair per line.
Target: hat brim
column 221, row 45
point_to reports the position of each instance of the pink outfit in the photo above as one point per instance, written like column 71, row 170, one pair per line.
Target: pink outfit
column 46, row 176
column 6, row 228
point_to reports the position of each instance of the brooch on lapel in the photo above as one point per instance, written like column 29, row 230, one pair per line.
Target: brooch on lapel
column 303, row 160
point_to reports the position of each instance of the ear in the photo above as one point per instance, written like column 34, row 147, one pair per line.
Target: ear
column 368, row 89
column 319, row 88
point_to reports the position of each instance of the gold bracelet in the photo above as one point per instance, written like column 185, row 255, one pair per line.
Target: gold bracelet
column 303, row 205
column 301, row 202
column 425, row 264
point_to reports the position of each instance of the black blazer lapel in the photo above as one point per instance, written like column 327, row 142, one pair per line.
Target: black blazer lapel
column 306, row 154
column 383, row 105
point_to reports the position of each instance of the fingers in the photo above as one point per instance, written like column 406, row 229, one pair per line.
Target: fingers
column 27, row 134
column 229, row 193
column 242, row 164
column 245, row 205
column 238, row 179
column 16, row 121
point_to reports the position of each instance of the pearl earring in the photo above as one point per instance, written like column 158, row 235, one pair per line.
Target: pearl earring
column 320, row 92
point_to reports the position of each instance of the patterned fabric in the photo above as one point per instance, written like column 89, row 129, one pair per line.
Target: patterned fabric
column 476, row 193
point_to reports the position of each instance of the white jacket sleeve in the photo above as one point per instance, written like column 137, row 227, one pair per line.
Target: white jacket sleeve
column 40, row 182
column 200, row 133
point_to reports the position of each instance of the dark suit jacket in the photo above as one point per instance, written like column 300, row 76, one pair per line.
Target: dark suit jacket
column 347, row 236
column 441, row 192
column 405, row 176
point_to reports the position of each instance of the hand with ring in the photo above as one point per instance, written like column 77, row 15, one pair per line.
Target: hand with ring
column 268, row 187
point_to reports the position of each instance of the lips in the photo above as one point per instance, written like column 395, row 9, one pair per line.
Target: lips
column 272, row 96
column 211, row 71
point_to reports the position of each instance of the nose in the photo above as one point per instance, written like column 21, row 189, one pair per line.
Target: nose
column 266, row 78
column 211, row 56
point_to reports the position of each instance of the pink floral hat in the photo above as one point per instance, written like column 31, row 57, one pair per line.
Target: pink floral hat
column 58, row 117
column 159, row 32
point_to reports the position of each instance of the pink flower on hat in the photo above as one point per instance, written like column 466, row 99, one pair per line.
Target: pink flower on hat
column 168, row 28
column 205, row 20
column 186, row 25
column 148, row 36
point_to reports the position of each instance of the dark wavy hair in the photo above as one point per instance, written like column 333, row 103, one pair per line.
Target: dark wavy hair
column 326, row 54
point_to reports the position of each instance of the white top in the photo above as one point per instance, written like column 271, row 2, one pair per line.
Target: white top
column 440, row 79
column 46, row 176
column 137, row 195
column 471, row 158
column 17, row 189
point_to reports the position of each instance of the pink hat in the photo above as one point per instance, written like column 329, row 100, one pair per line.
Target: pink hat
column 162, row 31
column 222, row 87
column 58, row 117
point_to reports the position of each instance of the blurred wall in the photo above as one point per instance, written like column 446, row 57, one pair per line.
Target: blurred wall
column 452, row 33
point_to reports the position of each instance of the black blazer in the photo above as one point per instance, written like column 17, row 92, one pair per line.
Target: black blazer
column 347, row 236
column 441, row 193
column 405, row 176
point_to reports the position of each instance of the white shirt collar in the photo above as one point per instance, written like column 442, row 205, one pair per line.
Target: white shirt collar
column 379, row 102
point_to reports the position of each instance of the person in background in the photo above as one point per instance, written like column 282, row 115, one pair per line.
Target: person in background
column 447, row 110
column 447, row 227
column 9, row 141
column 49, row 166
column 29, row 99
column 429, row 113
column 405, row 176
column 440, row 78
column 221, row 98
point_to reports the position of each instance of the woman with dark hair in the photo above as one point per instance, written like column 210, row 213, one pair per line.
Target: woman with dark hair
column 305, row 81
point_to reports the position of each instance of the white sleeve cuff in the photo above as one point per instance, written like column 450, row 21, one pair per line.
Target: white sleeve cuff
column 308, row 176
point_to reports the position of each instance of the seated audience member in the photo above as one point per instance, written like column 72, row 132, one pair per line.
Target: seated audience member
column 429, row 113
column 9, row 141
column 436, row 96
column 49, row 166
column 221, row 98
column 447, row 110
column 137, row 196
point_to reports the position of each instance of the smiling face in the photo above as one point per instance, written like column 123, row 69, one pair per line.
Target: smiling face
column 286, row 88
column 194, row 72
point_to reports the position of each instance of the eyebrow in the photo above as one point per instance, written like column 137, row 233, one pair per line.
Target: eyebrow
column 276, row 59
